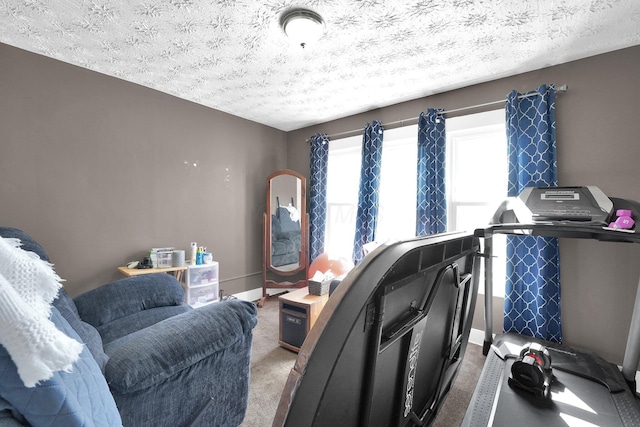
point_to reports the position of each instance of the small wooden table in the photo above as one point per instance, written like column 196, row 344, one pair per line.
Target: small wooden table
column 177, row 271
column 298, row 312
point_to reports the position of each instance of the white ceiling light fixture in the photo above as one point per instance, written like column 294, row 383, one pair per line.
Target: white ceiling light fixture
column 303, row 26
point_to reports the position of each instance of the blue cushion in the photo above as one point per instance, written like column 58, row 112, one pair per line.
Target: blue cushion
column 68, row 399
column 9, row 416
column 122, row 327
column 87, row 333
column 128, row 296
column 283, row 247
column 150, row 356
column 275, row 226
column 286, row 223
column 127, row 305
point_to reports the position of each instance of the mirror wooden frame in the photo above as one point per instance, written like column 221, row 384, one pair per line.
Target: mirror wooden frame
column 268, row 269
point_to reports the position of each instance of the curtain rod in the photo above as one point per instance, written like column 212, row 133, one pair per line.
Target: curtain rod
column 414, row 120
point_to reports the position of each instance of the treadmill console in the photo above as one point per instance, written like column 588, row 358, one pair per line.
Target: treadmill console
column 584, row 204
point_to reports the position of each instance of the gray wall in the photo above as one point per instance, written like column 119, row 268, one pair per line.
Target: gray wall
column 598, row 127
column 99, row 170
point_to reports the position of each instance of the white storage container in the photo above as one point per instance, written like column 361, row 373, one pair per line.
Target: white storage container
column 197, row 296
column 201, row 284
column 164, row 259
column 202, row 274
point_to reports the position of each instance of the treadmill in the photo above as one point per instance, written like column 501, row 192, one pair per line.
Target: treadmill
column 531, row 382
column 388, row 344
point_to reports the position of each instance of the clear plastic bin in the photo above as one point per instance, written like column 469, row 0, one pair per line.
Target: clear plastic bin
column 197, row 296
column 202, row 274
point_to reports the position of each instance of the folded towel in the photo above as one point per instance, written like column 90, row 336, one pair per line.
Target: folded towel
column 28, row 286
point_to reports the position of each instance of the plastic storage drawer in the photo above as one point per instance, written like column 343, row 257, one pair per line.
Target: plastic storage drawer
column 201, row 285
column 203, row 274
column 197, row 296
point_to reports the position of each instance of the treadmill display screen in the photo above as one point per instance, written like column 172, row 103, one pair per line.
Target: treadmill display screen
column 559, row 195
column 585, row 204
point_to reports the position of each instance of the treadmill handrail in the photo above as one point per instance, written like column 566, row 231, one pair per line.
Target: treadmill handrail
column 562, row 229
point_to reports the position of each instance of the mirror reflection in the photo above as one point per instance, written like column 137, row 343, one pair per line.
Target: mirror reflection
column 285, row 233
column 286, row 236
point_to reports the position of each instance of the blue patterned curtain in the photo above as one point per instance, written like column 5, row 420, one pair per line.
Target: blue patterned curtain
column 431, row 204
column 532, row 302
column 318, row 194
column 368, row 195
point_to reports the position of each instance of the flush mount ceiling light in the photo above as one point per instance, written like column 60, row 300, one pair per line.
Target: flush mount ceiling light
column 303, row 26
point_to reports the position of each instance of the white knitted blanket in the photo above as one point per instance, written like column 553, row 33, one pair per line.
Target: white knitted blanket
column 28, row 286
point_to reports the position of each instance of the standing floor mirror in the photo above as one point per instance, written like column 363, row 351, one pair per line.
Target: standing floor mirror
column 285, row 233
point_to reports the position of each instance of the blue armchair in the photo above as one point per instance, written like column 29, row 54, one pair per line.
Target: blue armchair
column 286, row 238
column 149, row 359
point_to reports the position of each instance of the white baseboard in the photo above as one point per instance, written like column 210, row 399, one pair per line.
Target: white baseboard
column 251, row 295
column 255, row 294
column 476, row 336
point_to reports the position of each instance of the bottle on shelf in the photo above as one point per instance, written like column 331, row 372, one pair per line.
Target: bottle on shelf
column 194, row 252
column 199, row 256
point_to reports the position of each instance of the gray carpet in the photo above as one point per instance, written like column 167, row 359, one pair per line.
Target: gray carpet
column 270, row 366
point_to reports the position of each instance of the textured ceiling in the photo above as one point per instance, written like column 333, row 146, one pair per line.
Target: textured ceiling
column 233, row 56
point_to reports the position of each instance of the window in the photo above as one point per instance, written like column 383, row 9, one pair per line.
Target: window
column 343, row 179
column 476, row 184
column 397, row 202
column 476, row 168
column 477, row 172
column 397, row 211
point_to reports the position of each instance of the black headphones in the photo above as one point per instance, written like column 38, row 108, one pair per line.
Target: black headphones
column 532, row 370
